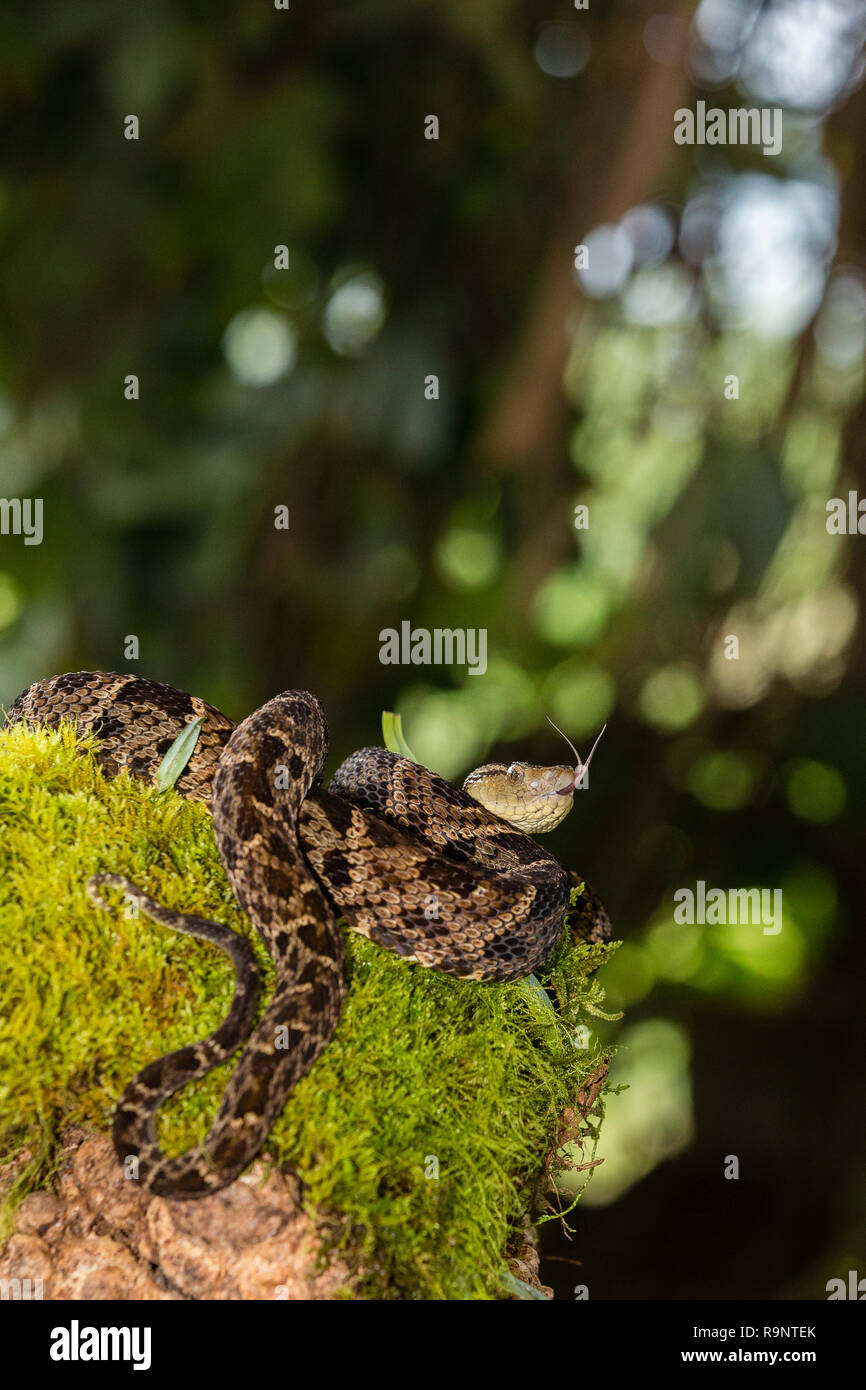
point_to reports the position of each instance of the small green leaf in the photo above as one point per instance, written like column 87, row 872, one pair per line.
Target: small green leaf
column 537, row 998
column 392, row 733
column 543, row 1012
column 178, row 755
column 521, row 1288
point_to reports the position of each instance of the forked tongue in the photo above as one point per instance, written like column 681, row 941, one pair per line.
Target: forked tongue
column 580, row 768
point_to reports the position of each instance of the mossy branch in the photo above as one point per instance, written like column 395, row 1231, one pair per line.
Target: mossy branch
column 420, row 1134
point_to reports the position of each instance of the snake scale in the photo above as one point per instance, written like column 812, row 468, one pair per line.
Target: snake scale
column 417, row 865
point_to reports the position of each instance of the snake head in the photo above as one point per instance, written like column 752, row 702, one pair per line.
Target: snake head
column 531, row 797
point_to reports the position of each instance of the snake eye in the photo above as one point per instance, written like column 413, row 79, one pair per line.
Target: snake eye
column 515, row 773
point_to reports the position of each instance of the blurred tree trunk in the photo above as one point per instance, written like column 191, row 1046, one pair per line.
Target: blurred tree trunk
column 619, row 161
column 847, row 129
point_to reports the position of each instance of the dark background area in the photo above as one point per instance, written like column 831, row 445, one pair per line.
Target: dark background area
column 558, row 387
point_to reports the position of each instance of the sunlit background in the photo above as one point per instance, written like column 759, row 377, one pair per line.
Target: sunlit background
column 605, row 387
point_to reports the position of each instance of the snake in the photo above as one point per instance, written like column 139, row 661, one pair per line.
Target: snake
column 448, row 877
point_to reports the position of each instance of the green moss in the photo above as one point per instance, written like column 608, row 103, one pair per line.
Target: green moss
column 424, row 1074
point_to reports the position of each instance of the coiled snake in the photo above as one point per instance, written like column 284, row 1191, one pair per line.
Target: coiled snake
column 412, row 862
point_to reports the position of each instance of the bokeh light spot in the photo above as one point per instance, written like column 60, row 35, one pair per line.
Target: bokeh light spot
column 671, row 697
column 610, row 256
column 571, row 606
column 814, row 791
column 355, row 314
column 675, row 949
column 811, row 896
column 442, row 728
column 650, row 230
column 722, row 780
column 562, row 50
column 468, row 557
column 660, row 295
column 579, row 698
column 260, row 346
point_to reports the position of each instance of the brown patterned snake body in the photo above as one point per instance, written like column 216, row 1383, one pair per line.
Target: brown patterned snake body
column 411, row 861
